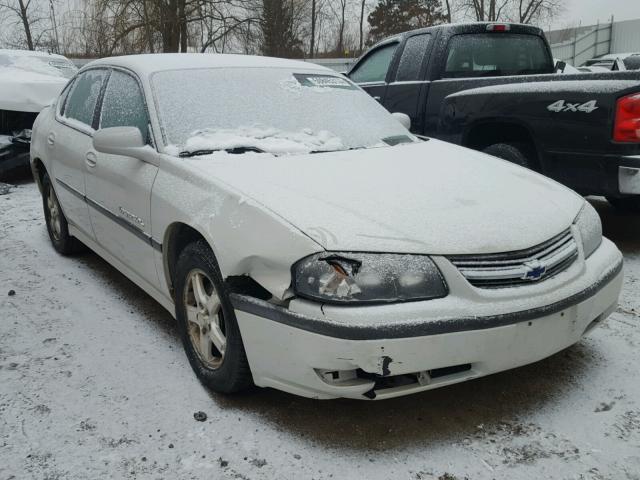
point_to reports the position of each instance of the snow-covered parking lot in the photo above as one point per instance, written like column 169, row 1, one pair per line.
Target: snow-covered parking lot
column 94, row 384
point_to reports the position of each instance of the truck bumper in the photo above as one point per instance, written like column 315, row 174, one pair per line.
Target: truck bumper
column 328, row 358
column 596, row 174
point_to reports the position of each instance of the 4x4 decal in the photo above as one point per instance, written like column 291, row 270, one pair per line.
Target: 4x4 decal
column 562, row 106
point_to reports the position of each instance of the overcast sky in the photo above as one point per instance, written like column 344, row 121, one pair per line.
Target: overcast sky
column 587, row 12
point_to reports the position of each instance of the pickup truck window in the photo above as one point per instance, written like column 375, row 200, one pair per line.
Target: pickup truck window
column 496, row 54
column 412, row 56
column 373, row 68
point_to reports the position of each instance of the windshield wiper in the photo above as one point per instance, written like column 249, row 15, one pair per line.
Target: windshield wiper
column 234, row 150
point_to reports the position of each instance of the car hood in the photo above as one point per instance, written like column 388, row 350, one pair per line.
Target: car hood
column 429, row 197
column 25, row 91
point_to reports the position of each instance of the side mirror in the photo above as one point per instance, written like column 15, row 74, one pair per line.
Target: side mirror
column 618, row 66
column 560, row 66
column 403, row 118
column 125, row 141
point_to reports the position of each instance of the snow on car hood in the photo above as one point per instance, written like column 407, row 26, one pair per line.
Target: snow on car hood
column 429, row 197
column 25, row 91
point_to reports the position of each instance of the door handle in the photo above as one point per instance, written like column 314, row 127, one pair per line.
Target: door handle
column 377, row 98
column 51, row 138
column 91, row 160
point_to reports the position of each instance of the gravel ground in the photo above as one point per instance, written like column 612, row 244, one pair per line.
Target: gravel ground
column 94, row 384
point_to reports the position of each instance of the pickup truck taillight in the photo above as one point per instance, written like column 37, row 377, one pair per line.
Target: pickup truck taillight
column 627, row 124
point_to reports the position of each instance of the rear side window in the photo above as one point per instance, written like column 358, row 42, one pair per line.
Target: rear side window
column 374, row 67
column 411, row 59
column 123, row 104
column 496, row 54
column 81, row 102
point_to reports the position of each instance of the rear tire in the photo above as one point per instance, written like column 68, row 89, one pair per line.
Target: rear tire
column 207, row 322
column 512, row 152
column 626, row 204
column 57, row 225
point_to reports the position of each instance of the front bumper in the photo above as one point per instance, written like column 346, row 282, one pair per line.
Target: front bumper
column 356, row 352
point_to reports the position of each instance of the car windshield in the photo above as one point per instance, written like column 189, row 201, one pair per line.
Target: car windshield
column 44, row 64
column 496, row 54
column 272, row 110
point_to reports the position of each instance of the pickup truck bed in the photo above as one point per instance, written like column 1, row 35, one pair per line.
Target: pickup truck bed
column 493, row 88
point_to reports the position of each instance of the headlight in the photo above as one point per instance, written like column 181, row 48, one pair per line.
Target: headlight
column 358, row 278
column 590, row 227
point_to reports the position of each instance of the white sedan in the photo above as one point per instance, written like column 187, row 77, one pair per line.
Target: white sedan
column 304, row 239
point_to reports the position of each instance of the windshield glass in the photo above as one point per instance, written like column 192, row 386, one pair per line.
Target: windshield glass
column 272, row 110
column 496, row 54
column 44, row 64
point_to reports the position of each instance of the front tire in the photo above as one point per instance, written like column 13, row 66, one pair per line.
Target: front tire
column 207, row 323
column 512, row 152
column 57, row 225
column 626, row 204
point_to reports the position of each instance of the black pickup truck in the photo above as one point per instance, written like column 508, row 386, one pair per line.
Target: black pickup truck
column 495, row 88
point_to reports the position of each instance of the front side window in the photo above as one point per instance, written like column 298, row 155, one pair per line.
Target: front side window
column 123, row 104
column 496, row 54
column 82, row 99
column 411, row 59
column 374, row 67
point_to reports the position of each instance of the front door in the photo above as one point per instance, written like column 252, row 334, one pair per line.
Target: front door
column 118, row 187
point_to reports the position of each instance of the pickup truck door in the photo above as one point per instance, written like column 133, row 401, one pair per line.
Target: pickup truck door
column 69, row 141
column 119, row 187
column 408, row 90
column 372, row 71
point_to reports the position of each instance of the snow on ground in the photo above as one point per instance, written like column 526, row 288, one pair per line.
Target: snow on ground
column 94, row 384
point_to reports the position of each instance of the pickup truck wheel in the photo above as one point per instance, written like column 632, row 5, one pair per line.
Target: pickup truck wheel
column 207, row 322
column 57, row 225
column 625, row 204
column 512, row 152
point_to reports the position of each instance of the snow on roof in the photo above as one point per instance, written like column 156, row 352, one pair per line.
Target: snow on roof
column 29, row 53
column 149, row 63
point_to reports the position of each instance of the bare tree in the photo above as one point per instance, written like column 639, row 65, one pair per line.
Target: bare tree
column 31, row 15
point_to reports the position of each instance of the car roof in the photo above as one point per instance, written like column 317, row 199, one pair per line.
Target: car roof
column 147, row 64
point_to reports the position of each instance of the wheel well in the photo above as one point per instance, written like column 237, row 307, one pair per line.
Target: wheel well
column 38, row 169
column 178, row 236
column 487, row 134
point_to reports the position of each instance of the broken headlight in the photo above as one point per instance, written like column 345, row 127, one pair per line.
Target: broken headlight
column 590, row 227
column 357, row 278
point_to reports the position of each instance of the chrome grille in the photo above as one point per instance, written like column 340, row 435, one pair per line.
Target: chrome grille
column 522, row 267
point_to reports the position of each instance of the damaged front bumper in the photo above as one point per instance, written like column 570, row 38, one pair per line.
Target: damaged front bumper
column 349, row 352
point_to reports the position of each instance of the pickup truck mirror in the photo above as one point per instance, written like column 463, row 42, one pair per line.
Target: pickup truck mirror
column 618, row 66
column 560, row 66
column 403, row 118
column 125, row 141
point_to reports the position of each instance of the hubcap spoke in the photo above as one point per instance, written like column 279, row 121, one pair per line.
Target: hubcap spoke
column 217, row 337
column 205, row 347
column 199, row 293
column 192, row 315
column 213, row 304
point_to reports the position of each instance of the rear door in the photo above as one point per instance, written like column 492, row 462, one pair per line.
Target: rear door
column 118, row 187
column 69, row 142
column 408, row 89
column 372, row 71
